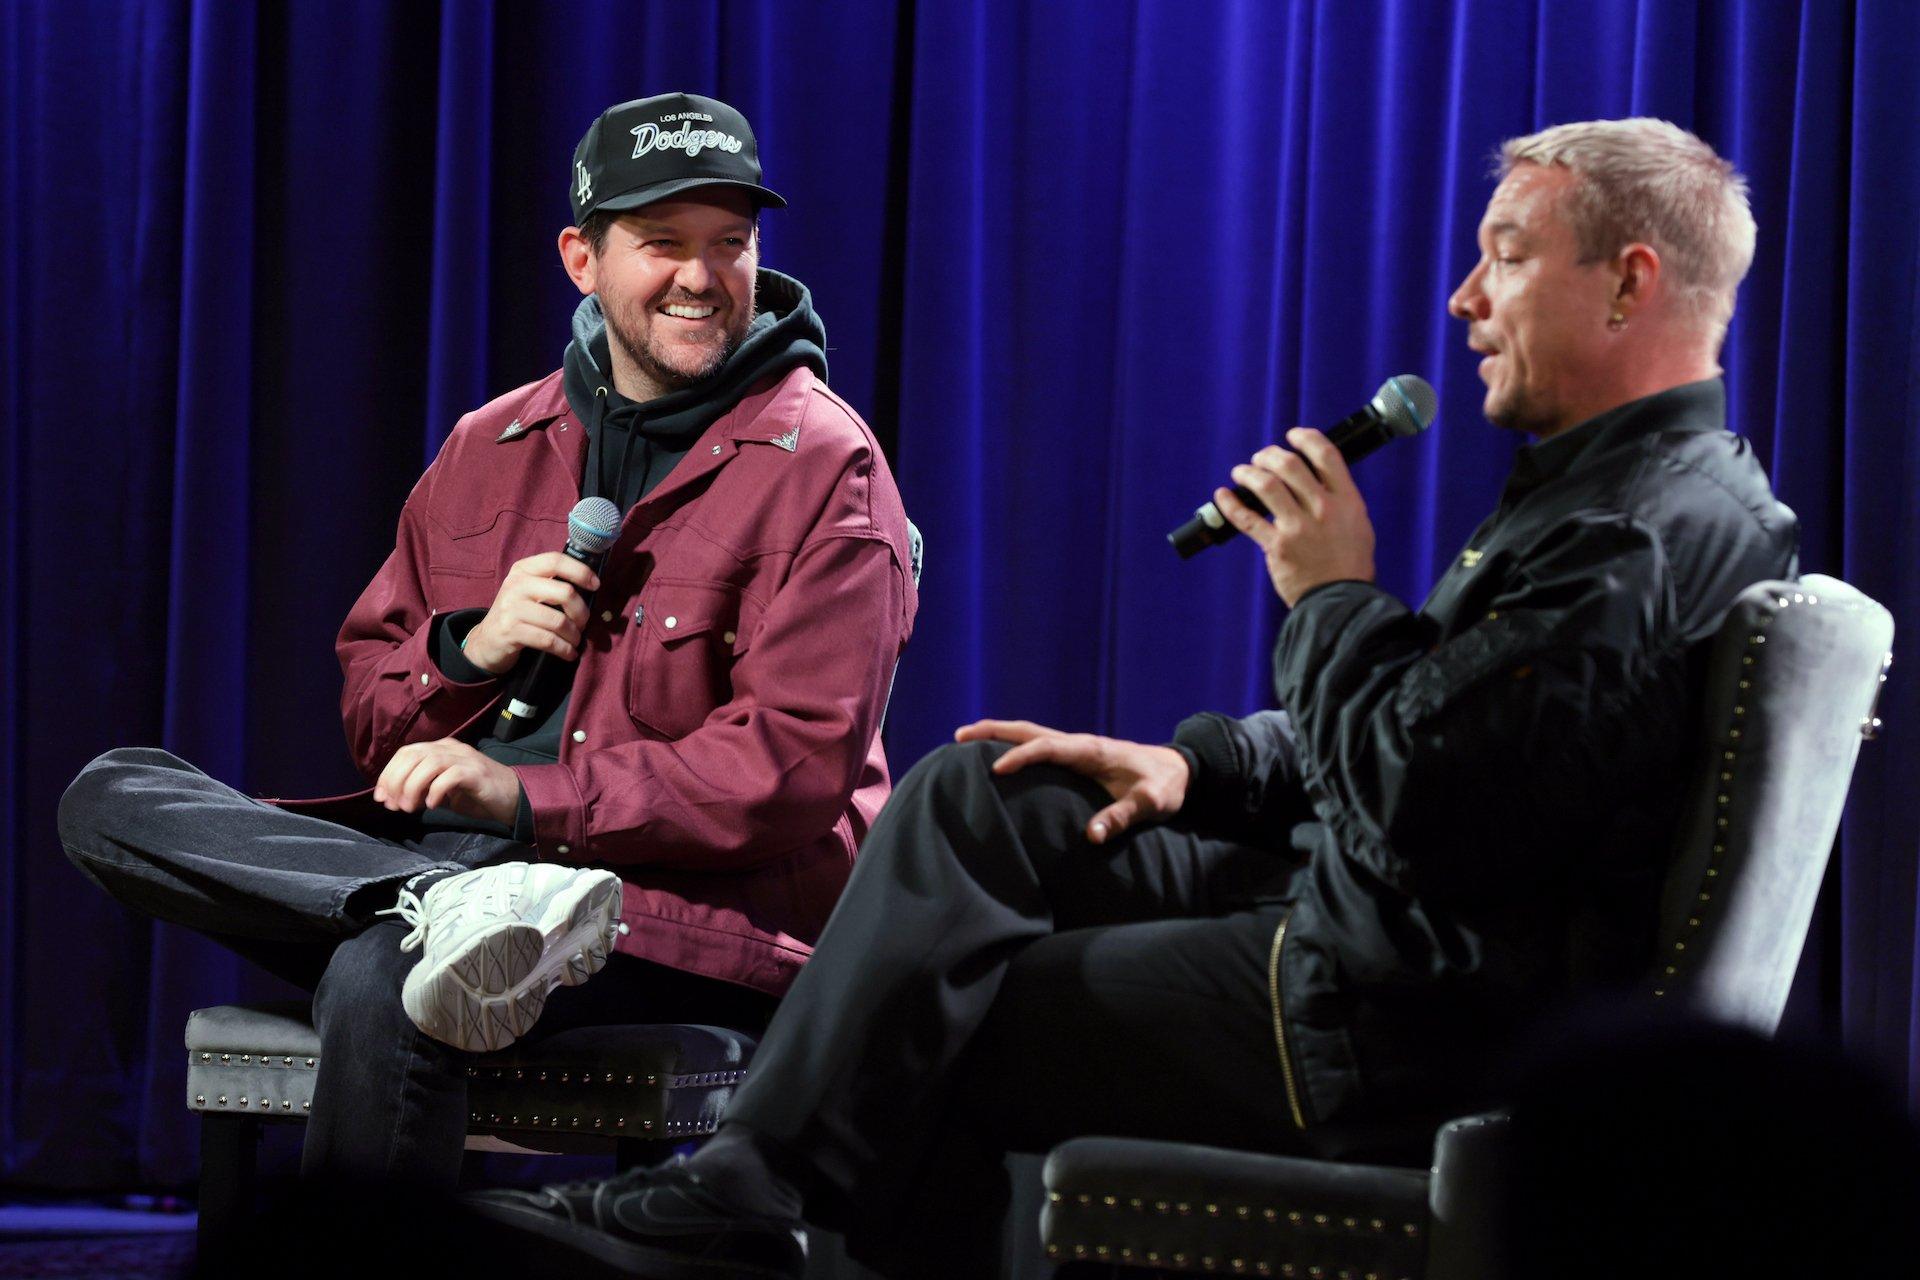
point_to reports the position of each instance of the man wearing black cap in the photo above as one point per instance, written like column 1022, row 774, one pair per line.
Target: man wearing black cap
column 683, row 778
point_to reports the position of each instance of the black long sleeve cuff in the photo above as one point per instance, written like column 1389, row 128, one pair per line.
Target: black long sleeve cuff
column 1214, row 788
column 1246, row 776
column 523, row 820
column 448, row 635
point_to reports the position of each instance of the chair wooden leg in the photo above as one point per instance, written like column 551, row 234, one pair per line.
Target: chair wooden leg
column 229, row 1145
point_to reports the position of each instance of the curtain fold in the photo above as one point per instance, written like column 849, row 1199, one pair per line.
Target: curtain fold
column 1878, row 437
column 463, row 179
column 208, row 568
column 1074, row 260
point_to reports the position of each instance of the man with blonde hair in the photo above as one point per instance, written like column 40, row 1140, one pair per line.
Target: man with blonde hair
column 1288, row 930
column 1661, row 237
column 1651, row 180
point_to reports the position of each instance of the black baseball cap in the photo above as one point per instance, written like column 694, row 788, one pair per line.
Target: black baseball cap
column 652, row 148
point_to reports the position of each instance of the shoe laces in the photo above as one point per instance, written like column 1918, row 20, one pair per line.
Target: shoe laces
column 411, row 907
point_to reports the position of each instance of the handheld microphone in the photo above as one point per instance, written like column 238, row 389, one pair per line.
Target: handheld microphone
column 592, row 527
column 1403, row 406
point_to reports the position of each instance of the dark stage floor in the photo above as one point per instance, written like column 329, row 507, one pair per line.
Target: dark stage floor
column 141, row 1238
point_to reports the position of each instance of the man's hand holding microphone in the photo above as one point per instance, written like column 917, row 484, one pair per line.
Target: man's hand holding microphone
column 1318, row 531
column 540, row 606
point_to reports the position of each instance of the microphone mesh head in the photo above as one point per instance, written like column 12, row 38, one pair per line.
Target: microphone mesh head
column 1408, row 403
column 593, row 525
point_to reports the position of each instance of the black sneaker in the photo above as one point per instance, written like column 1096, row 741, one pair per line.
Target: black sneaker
column 659, row 1223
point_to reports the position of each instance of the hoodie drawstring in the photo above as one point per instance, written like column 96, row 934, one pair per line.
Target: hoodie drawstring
column 597, row 438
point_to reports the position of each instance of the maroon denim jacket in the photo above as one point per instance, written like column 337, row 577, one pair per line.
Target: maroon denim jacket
column 722, row 743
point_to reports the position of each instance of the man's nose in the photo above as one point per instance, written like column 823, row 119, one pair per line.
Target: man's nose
column 1468, row 302
column 695, row 274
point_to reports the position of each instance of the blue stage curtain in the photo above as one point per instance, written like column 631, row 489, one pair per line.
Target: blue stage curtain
column 1075, row 260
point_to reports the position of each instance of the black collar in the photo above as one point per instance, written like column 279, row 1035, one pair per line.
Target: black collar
column 1692, row 406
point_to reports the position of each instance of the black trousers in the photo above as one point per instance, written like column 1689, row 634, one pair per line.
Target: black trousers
column 991, row 981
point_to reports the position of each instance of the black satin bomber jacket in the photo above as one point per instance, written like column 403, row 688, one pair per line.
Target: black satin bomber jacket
column 1485, row 789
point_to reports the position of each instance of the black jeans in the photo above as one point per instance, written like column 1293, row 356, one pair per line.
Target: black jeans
column 298, row 894
column 990, row 982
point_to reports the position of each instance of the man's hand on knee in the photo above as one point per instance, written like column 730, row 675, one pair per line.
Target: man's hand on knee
column 448, row 774
column 1148, row 784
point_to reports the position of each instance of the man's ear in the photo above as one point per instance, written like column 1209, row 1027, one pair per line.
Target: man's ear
column 1637, row 271
column 576, row 255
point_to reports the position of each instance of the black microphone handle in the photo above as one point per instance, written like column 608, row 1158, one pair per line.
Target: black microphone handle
column 1355, row 436
column 524, row 681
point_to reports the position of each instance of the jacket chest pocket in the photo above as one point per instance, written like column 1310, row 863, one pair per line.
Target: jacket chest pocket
column 465, row 567
column 681, row 667
column 451, row 587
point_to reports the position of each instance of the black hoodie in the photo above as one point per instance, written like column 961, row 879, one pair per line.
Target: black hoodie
column 631, row 447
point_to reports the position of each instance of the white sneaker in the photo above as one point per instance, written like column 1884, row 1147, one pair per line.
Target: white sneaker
column 498, row 940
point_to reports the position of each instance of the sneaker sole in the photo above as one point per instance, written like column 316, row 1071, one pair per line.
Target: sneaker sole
column 493, row 992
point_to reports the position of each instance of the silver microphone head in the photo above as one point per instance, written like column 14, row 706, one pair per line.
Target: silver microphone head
column 1406, row 404
column 593, row 525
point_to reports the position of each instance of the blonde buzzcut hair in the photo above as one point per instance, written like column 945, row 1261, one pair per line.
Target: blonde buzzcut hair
column 1650, row 181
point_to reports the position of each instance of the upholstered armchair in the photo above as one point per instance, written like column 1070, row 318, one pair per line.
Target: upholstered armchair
column 1793, row 683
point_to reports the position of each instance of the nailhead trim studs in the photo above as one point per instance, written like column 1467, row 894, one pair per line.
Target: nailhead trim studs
column 1723, row 798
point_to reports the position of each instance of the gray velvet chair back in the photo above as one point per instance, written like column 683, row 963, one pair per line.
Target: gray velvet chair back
column 1792, row 684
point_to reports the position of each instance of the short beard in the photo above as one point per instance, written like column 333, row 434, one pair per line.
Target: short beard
column 1506, row 417
column 1515, row 415
column 665, row 376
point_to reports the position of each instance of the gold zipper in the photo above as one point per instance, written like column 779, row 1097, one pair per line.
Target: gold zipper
column 1279, row 1020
